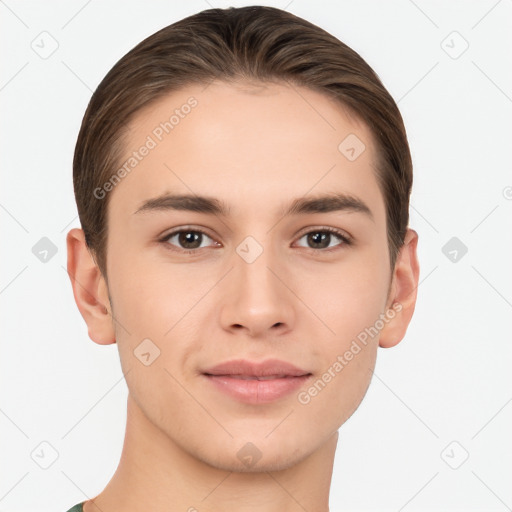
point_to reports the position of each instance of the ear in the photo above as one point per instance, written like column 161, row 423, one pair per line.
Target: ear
column 402, row 298
column 90, row 289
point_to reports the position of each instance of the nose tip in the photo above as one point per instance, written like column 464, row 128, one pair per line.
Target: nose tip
column 257, row 298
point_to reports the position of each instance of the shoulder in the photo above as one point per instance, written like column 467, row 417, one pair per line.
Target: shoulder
column 77, row 508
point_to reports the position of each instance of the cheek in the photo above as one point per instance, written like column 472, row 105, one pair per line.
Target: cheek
column 152, row 305
column 349, row 298
column 339, row 387
column 156, row 300
column 358, row 299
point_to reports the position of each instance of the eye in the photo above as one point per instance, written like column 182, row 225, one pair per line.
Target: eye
column 189, row 241
column 320, row 239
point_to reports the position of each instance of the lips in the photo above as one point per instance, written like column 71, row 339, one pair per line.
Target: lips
column 252, row 377
column 264, row 370
column 257, row 383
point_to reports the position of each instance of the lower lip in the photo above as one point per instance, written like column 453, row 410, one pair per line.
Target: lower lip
column 257, row 391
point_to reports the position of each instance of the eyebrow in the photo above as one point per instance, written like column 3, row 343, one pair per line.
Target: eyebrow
column 326, row 203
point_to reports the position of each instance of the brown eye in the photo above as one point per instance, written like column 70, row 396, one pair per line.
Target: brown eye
column 189, row 239
column 186, row 240
column 322, row 239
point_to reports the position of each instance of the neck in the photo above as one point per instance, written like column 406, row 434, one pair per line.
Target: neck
column 155, row 473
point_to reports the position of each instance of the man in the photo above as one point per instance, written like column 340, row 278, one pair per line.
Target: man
column 242, row 179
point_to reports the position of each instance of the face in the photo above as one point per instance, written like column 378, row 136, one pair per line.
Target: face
column 193, row 289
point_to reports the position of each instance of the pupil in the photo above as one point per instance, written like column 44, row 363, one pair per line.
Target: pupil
column 190, row 237
column 320, row 237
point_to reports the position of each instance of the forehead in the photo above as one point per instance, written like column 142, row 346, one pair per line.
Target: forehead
column 263, row 141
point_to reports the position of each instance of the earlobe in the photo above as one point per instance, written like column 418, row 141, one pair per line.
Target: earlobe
column 89, row 289
column 404, row 292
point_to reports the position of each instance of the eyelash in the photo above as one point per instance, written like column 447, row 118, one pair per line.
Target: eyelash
column 344, row 238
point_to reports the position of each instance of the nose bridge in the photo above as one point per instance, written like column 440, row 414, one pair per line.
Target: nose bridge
column 257, row 300
column 253, row 259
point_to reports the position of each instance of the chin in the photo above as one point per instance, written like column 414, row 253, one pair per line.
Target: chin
column 256, row 454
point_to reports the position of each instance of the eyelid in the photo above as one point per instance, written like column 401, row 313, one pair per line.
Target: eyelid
column 336, row 231
column 186, row 227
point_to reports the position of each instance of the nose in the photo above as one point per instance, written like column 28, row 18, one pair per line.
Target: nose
column 258, row 296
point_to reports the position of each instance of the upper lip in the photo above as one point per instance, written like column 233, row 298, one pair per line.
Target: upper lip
column 267, row 368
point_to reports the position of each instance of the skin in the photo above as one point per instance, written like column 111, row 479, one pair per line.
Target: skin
column 256, row 148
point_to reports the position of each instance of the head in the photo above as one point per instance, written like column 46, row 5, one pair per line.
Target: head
column 251, row 112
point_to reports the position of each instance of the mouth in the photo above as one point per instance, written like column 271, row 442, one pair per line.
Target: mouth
column 255, row 377
column 257, row 383
column 270, row 368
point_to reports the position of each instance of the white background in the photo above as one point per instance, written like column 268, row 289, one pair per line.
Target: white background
column 448, row 380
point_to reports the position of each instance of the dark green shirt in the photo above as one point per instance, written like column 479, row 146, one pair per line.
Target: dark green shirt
column 77, row 508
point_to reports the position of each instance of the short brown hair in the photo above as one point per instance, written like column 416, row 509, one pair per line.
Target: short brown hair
column 254, row 43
